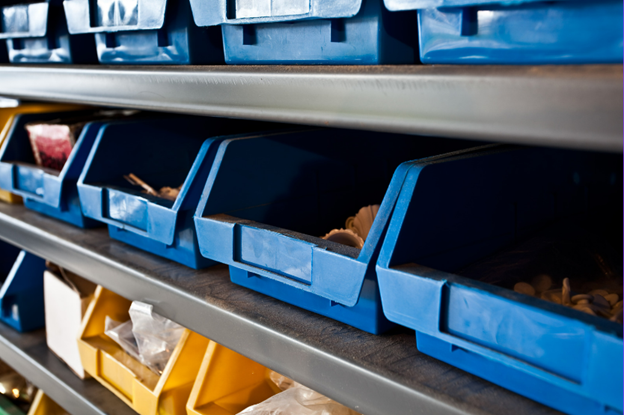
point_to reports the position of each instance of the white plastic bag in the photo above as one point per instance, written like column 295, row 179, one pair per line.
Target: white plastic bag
column 297, row 400
column 147, row 336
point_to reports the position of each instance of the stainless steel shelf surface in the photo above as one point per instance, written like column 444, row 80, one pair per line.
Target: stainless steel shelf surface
column 29, row 355
column 376, row 375
column 566, row 106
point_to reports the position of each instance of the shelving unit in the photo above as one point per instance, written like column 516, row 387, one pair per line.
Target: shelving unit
column 377, row 375
column 564, row 106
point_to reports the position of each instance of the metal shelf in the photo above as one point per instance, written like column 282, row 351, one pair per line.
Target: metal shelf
column 29, row 355
column 566, row 106
column 381, row 375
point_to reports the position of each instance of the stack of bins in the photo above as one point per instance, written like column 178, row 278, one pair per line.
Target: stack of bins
column 517, row 32
column 21, row 295
column 201, row 376
column 292, row 188
column 7, row 116
column 454, row 211
column 359, row 32
column 172, row 152
column 36, row 32
column 144, row 32
column 49, row 192
column 134, row 383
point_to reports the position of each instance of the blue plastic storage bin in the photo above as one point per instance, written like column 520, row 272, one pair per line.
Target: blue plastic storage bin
column 144, row 32
column 269, row 199
column 8, row 255
column 43, row 190
column 37, row 33
column 21, row 295
column 310, row 32
column 168, row 152
column 454, row 211
column 517, row 32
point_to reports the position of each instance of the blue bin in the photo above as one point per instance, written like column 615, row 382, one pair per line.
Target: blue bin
column 455, row 211
column 43, row 190
column 144, row 32
column 37, row 33
column 359, row 32
column 269, row 199
column 21, row 295
column 8, row 255
column 517, row 32
column 168, row 152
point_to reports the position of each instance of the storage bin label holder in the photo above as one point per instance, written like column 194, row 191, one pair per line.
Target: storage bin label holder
column 216, row 12
column 24, row 20
column 157, row 217
column 327, row 269
column 570, row 349
column 398, row 5
column 33, row 182
column 114, row 16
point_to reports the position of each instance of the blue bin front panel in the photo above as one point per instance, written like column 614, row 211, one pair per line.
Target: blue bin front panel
column 178, row 42
column 373, row 36
column 525, row 384
column 172, row 152
column 216, row 12
column 534, row 33
column 48, row 193
column 532, row 338
column 21, row 295
column 366, row 315
column 37, row 33
column 292, row 188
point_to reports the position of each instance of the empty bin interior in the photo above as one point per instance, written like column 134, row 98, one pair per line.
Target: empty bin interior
column 312, row 181
column 159, row 153
column 8, row 255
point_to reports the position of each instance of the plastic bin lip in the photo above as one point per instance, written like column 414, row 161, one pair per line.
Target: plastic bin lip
column 150, row 15
column 398, row 5
column 316, row 240
column 36, row 19
column 215, row 12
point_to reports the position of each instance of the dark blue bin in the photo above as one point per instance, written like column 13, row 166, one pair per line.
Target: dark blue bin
column 310, row 32
column 37, row 33
column 168, row 152
column 455, row 211
column 518, row 32
column 42, row 189
column 21, row 295
column 144, row 32
column 269, row 199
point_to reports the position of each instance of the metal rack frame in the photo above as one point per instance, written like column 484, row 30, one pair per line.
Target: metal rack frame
column 375, row 375
column 566, row 106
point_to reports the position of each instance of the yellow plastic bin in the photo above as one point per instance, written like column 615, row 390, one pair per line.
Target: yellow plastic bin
column 135, row 384
column 43, row 405
column 228, row 382
column 6, row 120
